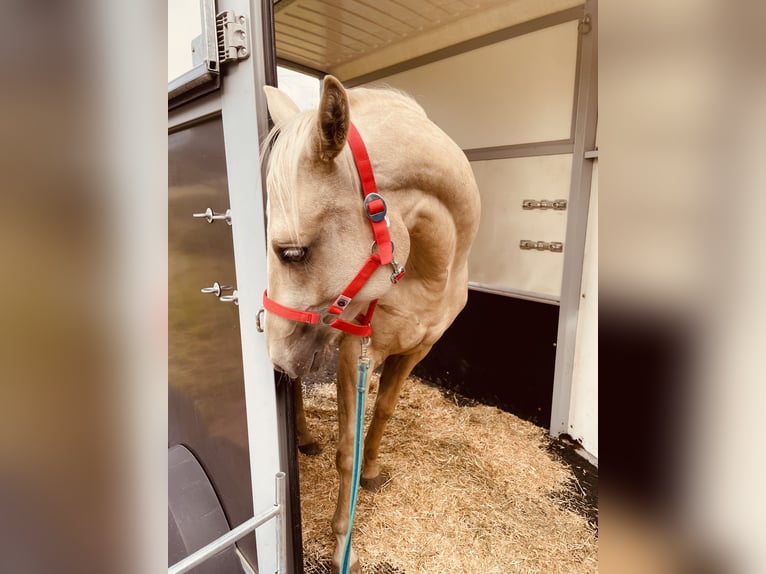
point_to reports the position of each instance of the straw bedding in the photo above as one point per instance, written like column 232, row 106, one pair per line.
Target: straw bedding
column 472, row 490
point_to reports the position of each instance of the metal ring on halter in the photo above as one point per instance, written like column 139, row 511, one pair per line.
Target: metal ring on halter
column 325, row 317
column 377, row 216
column 374, row 246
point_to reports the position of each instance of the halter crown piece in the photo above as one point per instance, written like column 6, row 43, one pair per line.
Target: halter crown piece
column 375, row 209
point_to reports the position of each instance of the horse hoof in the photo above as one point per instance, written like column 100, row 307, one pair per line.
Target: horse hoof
column 376, row 483
column 310, row 449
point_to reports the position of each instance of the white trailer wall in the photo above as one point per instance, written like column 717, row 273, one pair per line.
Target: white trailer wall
column 510, row 106
column 512, row 93
column 496, row 260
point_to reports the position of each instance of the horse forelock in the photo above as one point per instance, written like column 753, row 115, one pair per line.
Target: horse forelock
column 282, row 151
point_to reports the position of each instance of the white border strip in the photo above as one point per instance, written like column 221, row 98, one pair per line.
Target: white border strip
column 516, row 293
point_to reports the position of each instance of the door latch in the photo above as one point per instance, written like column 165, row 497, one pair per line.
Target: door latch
column 216, row 289
column 212, row 216
column 233, row 298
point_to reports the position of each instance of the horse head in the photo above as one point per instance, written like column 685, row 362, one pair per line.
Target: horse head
column 318, row 235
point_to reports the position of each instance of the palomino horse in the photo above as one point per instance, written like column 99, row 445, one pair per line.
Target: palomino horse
column 319, row 237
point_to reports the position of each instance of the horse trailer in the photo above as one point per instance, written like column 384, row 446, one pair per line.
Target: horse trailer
column 514, row 84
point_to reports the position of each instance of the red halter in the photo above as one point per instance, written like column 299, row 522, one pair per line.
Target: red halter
column 375, row 208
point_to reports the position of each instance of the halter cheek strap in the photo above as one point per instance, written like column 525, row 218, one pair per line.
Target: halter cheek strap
column 375, row 209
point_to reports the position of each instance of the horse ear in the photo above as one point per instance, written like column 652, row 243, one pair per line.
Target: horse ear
column 333, row 118
column 281, row 107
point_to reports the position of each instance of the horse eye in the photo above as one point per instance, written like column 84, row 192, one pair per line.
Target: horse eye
column 293, row 254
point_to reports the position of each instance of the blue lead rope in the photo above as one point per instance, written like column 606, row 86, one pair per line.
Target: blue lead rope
column 363, row 367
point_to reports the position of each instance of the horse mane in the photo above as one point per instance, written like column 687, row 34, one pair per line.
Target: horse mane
column 284, row 145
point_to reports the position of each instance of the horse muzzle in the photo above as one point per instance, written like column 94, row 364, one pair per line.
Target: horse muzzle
column 305, row 351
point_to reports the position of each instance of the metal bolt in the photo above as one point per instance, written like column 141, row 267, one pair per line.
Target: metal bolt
column 243, row 52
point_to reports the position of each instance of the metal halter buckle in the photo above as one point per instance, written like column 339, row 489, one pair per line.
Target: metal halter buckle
column 374, row 247
column 379, row 215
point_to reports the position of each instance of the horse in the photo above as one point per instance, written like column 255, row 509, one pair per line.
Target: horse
column 318, row 237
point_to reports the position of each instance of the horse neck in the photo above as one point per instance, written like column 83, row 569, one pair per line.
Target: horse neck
column 430, row 185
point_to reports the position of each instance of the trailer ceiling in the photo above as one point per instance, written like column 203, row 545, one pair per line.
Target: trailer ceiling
column 355, row 38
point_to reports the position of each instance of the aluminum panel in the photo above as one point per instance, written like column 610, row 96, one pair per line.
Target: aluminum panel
column 496, row 259
column 350, row 38
column 516, row 91
column 206, row 395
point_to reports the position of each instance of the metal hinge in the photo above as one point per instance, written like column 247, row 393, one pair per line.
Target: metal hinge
column 558, row 204
column 585, row 25
column 233, row 39
column 555, row 246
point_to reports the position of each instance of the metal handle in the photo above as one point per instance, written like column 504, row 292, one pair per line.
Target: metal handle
column 557, row 204
column 259, row 320
column 555, row 246
column 210, row 216
column 216, row 289
column 233, row 298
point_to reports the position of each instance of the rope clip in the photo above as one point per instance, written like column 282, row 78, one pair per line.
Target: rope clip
column 398, row 272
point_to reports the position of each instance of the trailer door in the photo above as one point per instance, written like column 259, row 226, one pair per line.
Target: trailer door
column 228, row 421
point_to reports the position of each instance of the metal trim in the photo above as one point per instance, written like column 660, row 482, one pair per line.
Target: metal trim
column 244, row 562
column 515, row 293
column 192, row 80
column 230, row 538
column 206, row 107
column 204, row 77
column 284, row 391
column 268, row 23
column 245, row 123
column 520, row 29
column 534, row 149
column 577, row 224
column 575, row 88
column 309, row 71
column 209, row 31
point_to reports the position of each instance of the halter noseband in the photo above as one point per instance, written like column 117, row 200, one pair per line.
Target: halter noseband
column 375, row 209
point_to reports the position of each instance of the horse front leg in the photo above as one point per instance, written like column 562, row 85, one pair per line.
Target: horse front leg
column 396, row 369
column 344, row 458
column 306, row 443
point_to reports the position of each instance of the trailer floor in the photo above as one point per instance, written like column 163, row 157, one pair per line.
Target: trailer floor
column 472, row 489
